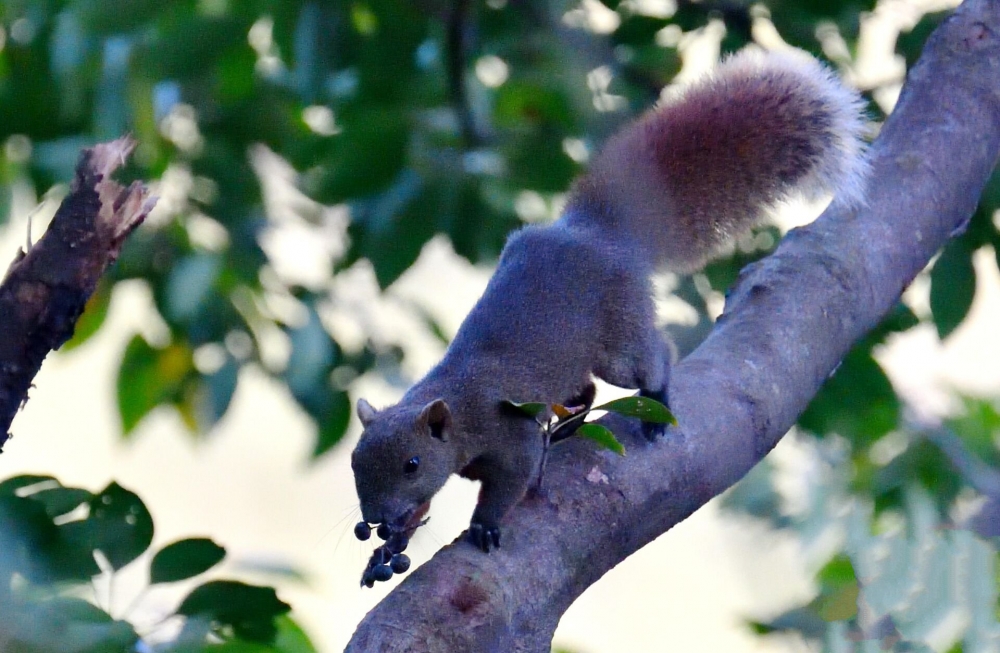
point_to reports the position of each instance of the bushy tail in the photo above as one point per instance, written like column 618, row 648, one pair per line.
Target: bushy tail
column 708, row 165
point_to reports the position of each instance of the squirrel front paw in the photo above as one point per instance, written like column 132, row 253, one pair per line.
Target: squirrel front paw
column 483, row 536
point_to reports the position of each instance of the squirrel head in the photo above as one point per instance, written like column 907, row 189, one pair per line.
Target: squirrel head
column 404, row 457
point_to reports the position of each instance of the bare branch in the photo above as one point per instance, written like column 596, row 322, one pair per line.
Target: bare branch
column 46, row 289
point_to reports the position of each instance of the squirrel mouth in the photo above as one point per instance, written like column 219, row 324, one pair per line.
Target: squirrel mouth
column 410, row 520
column 397, row 530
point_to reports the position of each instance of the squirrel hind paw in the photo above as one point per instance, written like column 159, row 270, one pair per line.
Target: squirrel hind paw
column 653, row 431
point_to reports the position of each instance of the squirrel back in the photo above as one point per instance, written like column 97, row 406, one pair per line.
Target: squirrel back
column 709, row 164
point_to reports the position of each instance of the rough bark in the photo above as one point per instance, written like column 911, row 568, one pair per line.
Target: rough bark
column 788, row 322
column 46, row 289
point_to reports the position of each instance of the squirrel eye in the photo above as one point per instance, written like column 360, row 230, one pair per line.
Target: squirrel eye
column 411, row 465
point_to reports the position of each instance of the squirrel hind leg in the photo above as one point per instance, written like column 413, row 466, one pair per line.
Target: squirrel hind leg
column 646, row 367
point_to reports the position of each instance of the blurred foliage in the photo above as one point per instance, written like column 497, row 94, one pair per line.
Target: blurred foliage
column 917, row 573
column 422, row 117
column 57, row 542
column 425, row 118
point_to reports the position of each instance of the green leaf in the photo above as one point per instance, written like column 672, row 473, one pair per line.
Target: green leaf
column 519, row 103
column 900, row 318
column 529, row 408
column 291, row 638
column 26, row 528
column 333, row 425
column 187, row 47
column 184, row 559
column 250, row 610
column 75, row 609
column 541, row 163
column 391, row 228
column 92, row 317
column 802, row 620
column 190, row 284
column 646, row 409
column 10, row 486
column 921, row 463
column 120, row 525
column 36, row 548
column 148, row 377
column 979, row 428
column 212, row 394
column 108, row 16
column 911, row 43
column 722, row 274
column 61, row 500
column 838, row 599
column 953, row 287
column 364, row 158
column 857, row 402
column 839, row 571
column 637, row 29
column 66, row 625
column 312, row 357
column 839, row 605
column 602, row 436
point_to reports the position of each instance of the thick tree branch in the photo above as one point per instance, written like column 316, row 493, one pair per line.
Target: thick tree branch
column 788, row 322
column 46, row 289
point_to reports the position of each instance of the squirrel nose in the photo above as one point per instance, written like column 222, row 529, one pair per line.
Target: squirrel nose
column 371, row 516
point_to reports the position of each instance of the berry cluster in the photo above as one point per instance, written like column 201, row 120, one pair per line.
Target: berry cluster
column 387, row 559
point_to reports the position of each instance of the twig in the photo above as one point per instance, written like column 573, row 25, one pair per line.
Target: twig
column 456, row 44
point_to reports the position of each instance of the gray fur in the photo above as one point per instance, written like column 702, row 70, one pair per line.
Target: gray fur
column 573, row 300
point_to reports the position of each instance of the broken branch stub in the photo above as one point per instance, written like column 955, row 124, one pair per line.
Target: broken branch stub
column 45, row 289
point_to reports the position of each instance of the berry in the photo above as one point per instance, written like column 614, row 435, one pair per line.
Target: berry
column 362, row 531
column 381, row 556
column 400, row 563
column 396, row 543
column 382, row 573
column 383, row 531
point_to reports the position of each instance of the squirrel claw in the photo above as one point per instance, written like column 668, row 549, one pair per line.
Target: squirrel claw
column 653, row 430
column 484, row 537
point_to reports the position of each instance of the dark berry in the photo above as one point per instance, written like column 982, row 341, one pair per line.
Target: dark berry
column 368, row 582
column 400, row 563
column 396, row 543
column 362, row 531
column 383, row 532
column 381, row 556
column 382, row 573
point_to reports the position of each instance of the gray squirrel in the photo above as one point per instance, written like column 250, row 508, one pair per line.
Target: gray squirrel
column 573, row 300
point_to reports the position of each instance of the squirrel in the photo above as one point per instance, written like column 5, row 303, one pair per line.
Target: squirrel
column 573, row 300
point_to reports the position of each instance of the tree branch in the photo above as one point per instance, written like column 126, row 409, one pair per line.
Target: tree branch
column 458, row 18
column 788, row 322
column 46, row 289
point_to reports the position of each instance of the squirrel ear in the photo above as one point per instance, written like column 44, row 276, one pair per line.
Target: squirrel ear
column 437, row 417
column 365, row 412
